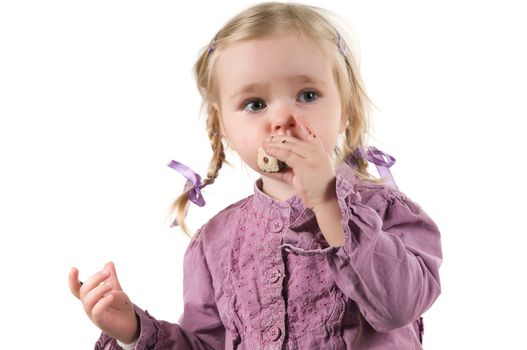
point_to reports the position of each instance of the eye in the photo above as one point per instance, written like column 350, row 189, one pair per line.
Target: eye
column 310, row 95
column 254, row 105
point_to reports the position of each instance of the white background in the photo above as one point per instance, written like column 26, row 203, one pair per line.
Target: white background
column 97, row 97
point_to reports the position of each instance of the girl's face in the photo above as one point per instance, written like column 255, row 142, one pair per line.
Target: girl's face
column 265, row 83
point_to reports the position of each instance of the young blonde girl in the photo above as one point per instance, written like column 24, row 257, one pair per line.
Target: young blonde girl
column 322, row 255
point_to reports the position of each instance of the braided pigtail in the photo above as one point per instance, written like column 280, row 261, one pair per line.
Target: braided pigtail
column 218, row 152
column 181, row 204
column 180, row 207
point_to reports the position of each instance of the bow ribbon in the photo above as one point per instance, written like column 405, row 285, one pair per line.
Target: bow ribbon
column 193, row 185
column 377, row 157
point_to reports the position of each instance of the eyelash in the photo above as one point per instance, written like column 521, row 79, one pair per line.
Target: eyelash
column 252, row 100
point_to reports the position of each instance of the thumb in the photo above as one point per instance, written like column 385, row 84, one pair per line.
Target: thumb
column 113, row 275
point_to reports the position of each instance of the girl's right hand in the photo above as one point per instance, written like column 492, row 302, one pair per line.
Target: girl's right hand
column 106, row 304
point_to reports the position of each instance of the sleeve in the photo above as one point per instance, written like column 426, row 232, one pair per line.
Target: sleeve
column 199, row 327
column 124, row 346
column 389, row 263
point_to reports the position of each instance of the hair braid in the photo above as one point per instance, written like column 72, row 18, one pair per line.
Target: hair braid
column 180, row 205
column 218, row 153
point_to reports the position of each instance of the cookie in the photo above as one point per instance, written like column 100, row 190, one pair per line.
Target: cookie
column 269, row 164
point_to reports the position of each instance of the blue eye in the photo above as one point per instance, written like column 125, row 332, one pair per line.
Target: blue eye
column 311, row 95
column 258, row 104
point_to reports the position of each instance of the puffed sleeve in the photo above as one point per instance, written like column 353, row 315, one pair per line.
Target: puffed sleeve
column 199, row 327
column 389, row 262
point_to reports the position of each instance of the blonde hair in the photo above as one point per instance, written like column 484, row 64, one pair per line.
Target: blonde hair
column 270, row 19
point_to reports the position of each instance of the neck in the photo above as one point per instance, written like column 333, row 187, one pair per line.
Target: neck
column 276, row 189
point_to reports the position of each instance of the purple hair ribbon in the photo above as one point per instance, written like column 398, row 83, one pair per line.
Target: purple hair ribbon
column 193, row 185
column 377, row 157
column 212, row 45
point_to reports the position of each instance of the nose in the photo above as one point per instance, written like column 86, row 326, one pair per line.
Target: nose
column 284, row 123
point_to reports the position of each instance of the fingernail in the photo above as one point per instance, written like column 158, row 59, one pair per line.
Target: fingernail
column 105, row 273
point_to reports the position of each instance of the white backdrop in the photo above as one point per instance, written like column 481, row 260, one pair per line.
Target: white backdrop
column 97, row 97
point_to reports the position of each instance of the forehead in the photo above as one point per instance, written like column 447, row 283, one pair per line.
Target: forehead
column 271, row 60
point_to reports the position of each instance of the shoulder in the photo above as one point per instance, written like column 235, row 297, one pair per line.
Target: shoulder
column 396, row 209
column 399, row 214
column 379, row 196
column 211, row 239
column 216, row 227
column 211, row 242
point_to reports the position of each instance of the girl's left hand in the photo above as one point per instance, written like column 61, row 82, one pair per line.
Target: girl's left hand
column 312, row 174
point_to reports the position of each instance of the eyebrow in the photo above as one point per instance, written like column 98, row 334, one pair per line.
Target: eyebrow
column 302, row 78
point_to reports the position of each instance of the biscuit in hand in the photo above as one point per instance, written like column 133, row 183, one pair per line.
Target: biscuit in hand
column 269, row 164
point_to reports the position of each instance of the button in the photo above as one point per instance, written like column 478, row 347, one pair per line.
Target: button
column 277, row 225
column 274, row 333
column 274, row 276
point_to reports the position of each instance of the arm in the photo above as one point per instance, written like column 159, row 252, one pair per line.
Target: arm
column 199, row 327
column 389, row 262
column 386, row 260
column 327, row 214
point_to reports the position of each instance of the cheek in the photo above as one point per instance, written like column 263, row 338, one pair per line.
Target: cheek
column 329, row 143
column 329, row 140
column 246, row 147
column 242, row 143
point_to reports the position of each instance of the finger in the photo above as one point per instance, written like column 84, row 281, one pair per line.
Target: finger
column 115, row 300
column 101, row 307
column 306, row 134
column 309, row 133
column 74, row 282
column 121, row 300
column 281, row 138
column 276, row 140
column 113, row 275
column 285, row 154
column 93, row 282
column 284, row 144
column 286, row 175
column 95, row 295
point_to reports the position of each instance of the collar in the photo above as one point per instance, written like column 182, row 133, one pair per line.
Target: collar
column 293, row 207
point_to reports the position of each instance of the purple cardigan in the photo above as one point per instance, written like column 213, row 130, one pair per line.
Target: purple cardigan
column 260, row 275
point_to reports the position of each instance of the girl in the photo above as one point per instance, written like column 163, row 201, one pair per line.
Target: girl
column 322, row 255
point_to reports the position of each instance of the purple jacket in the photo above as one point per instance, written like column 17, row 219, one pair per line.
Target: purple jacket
column 260, row 275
